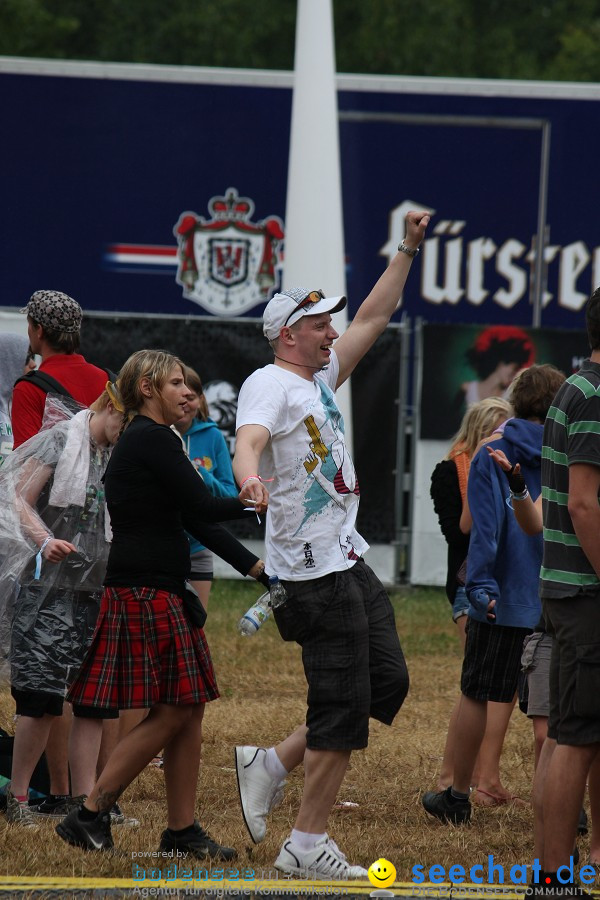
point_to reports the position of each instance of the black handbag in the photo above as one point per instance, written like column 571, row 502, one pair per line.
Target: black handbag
column 192, row 606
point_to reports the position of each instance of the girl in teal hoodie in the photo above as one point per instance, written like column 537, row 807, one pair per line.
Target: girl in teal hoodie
column 206, row 447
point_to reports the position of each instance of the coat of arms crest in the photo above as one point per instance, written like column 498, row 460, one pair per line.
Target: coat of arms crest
column 228, row 264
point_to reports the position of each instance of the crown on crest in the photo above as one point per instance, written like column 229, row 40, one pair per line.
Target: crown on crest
column 231, row 207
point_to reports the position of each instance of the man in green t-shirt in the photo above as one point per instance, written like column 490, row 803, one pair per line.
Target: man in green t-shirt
column 570, row 592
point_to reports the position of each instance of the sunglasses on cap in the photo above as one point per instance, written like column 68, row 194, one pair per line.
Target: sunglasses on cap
column 311, row 298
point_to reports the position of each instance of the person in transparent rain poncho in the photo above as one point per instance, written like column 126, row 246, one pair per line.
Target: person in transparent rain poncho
column 54, row 542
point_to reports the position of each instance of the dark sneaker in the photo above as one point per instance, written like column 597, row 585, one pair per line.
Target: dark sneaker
column 57, row 806
column 93, row 835
column 197, row 842
column 445, row 808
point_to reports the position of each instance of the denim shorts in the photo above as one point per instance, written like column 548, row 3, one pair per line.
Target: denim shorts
column 460, row 605
column 201, row 566
column 353, row 662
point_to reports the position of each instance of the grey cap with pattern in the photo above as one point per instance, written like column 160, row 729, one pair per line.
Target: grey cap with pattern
column 55, row 310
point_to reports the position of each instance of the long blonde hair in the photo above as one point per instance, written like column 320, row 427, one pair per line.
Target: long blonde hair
column 478, row 422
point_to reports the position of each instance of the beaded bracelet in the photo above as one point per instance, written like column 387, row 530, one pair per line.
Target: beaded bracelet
column 45, row 544
column 38, row 558
column 250, row 478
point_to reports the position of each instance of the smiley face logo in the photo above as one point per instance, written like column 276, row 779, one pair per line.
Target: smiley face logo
column 382, row 873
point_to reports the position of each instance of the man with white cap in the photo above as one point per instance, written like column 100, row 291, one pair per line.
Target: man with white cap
column 290, row 436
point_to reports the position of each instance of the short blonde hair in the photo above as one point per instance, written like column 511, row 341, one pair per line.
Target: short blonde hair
column 110, row 394
column 155, row 365
column 479, row 422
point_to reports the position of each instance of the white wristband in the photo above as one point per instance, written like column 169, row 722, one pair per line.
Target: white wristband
column 522, row 496
column 45, row 544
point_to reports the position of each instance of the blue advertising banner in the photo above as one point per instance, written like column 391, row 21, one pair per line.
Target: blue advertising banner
column 164, row 192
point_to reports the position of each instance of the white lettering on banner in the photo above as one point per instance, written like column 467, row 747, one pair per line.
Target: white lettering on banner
column 596, row 269
column 453, row 269
column 550, row 252
column 477, row 253
column 451, row 290
column 574, row 259
column 516, row 277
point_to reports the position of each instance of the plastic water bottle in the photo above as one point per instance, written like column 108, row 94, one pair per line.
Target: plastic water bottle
column 277, row 592
column 258, row 613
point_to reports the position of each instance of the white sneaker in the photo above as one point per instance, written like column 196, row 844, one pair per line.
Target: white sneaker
column 118, row 817
column 324, row 861
column 259, row 793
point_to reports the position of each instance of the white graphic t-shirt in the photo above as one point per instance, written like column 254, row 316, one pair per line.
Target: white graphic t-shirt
column 314, row 492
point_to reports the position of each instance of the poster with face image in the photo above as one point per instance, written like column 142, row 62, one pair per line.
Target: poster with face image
column 463, row 364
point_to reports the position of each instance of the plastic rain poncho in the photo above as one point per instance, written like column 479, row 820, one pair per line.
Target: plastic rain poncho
column 51, row 484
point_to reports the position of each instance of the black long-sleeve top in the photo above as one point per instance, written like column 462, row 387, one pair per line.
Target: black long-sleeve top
column 447, row 502
column 154, row 495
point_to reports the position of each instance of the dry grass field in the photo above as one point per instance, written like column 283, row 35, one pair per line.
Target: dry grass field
column 262, row 699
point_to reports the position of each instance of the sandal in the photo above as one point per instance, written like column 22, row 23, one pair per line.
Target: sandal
column 491, row 800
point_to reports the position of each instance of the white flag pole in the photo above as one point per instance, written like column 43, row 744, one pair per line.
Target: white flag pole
column 314, row 230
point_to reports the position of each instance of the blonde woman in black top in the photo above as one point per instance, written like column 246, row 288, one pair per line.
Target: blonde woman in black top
column 145, row 653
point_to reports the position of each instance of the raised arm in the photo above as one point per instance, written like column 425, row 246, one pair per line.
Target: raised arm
column 527, row 512
column 377, row 309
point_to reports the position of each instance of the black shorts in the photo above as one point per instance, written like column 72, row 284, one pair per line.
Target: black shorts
column 492, row 661
column 94, row 712
column 35, row 704
column 352, row 657
column 574, row 623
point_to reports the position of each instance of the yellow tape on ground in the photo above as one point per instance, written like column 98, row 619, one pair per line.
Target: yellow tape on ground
column 281, row 887
column 276, row 886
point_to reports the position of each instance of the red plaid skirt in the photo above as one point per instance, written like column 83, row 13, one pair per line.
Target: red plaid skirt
column 144, row 652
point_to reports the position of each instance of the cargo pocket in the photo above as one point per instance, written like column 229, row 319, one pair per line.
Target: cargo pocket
column 587, row 687
column 292, row 620
column 330, row 677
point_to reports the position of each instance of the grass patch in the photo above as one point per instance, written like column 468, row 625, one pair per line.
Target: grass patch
column 263, row 696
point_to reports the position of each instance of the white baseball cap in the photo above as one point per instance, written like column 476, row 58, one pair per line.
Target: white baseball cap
column 290, row 305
